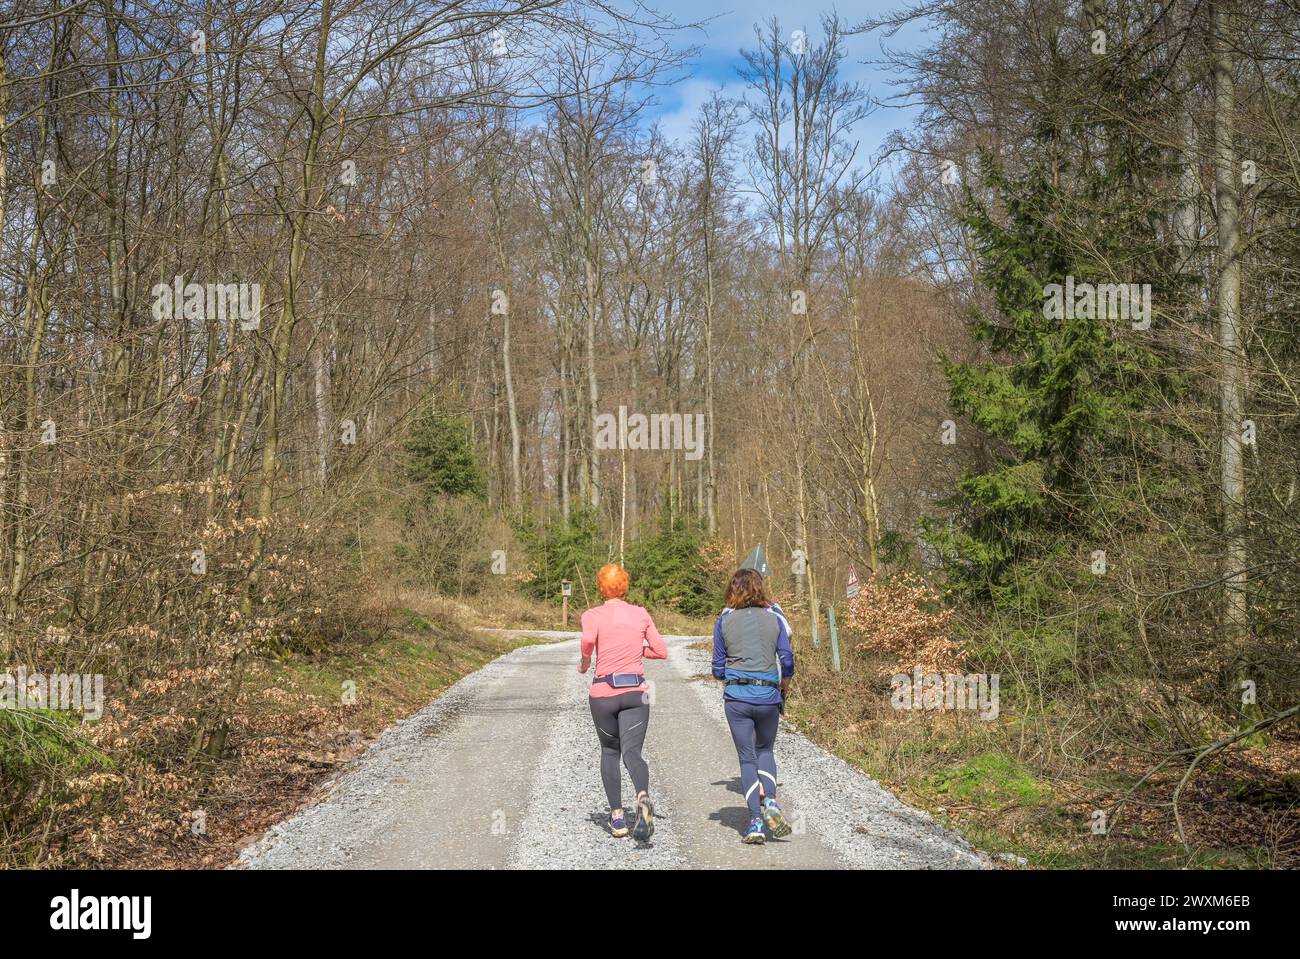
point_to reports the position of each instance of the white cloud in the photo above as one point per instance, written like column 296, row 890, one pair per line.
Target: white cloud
column 722, row 38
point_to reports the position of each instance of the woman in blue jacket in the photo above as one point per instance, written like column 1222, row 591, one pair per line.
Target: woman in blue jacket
column 753, row 658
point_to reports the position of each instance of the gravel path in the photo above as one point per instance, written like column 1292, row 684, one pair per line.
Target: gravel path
column 502, row 771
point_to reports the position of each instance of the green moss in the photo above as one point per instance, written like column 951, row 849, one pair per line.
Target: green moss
column 416, row 621
column 991, row 780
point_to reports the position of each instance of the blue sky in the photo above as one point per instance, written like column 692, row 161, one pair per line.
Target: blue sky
column 732, row 28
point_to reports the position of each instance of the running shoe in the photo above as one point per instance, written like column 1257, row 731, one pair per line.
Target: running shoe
column 754, row 834
column 617, row 824
column 775, row 820
column 644, row 827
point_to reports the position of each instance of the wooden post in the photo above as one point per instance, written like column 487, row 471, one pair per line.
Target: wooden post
column 566, row 588
column 816, row 640
column 835, row 638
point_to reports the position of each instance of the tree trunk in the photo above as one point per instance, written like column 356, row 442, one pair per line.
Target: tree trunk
column 321, row 390
column 711, row 482
column 1189, row 181
column 1231, row 379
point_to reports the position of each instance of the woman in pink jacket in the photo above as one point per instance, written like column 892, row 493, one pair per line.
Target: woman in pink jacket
column 621, row 635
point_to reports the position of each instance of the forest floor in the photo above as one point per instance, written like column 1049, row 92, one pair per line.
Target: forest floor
column 292, row 730
column 1017, row 789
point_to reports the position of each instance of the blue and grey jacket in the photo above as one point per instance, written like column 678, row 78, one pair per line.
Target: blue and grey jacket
column 752, row 643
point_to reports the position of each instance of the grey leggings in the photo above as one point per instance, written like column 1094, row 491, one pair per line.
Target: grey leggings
column 621, row 722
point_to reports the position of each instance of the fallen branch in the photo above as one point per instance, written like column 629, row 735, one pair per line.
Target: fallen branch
column 1214, row 747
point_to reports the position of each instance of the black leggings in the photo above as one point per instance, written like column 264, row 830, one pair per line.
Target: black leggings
column 621, row 722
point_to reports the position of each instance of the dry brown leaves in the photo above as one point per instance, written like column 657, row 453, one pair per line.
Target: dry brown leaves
column 903, row 618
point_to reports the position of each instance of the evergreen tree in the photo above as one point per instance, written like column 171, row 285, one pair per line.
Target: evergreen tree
column 441, row 457
column 560, row 549
column 1058, row 390
column 672, row 568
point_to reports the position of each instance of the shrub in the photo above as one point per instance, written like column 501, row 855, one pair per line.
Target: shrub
column 904, row 619
column 42, row 756
column 442, row 542
column 678, row 567
column 557, row 549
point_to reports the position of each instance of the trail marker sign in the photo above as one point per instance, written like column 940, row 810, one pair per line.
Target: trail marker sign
column 853, row 583
column 566, row 587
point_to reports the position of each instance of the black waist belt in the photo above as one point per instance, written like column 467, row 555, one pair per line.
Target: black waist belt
column 621, row 680
column 753, row 682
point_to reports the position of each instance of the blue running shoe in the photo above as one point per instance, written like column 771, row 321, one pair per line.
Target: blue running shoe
column 754, row 834
column 775, row 820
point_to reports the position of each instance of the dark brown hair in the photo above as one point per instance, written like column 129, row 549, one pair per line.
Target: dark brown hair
column 747, row 589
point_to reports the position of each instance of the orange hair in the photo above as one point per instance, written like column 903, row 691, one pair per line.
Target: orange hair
column 612, row 581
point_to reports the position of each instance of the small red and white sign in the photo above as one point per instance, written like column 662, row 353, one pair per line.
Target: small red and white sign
column 853, row 583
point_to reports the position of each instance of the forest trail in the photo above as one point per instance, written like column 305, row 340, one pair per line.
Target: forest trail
column 502, row 771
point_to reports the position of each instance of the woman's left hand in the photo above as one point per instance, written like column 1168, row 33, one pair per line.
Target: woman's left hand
column 584, row 663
